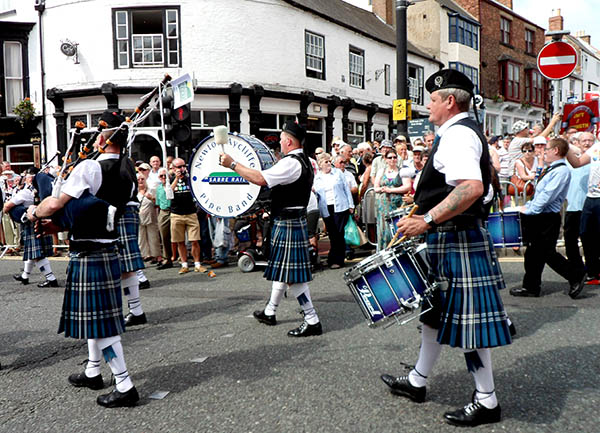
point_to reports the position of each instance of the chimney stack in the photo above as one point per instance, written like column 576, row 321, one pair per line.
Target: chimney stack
column 555, row 22
column 385, row 10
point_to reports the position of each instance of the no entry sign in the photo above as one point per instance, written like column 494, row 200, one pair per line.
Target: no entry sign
column 557, row 60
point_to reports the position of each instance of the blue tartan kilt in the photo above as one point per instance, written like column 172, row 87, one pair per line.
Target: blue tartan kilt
column 128, row 227
column 33, row 247
column 92, row 306
column 289, row 261
column 467, row 308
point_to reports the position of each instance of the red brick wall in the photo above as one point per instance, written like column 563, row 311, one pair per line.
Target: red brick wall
column 491, row 49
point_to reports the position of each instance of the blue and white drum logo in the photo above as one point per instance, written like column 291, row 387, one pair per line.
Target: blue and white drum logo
column 219, row 190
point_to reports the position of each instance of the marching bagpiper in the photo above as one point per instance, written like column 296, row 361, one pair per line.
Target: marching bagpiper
column 37, row 249
column 92, row 307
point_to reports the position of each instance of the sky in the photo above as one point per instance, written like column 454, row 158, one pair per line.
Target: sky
column 577, row 14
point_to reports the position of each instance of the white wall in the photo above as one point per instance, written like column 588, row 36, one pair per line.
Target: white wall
column 222, row 41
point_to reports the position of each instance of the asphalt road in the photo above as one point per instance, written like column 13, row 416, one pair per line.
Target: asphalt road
column 256, row 379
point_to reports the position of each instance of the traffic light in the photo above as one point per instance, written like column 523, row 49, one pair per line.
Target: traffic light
column 182, row 127
column 167, row 107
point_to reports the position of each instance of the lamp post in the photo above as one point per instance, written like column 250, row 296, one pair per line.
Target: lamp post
column 401, row 56
column 401, row 61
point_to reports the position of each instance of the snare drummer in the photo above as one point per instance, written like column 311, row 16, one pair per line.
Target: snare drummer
column 467, row 309
column 290, row 180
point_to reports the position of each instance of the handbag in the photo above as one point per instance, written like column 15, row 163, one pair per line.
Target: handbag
column 520, row 184
column 351, row 235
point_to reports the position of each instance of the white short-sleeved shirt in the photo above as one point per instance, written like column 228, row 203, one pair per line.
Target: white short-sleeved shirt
column 594, row 179
column 459, row 152
column 350, row 179
column 25, row 197
column 284, row 172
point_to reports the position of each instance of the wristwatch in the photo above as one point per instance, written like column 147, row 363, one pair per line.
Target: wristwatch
column 232, row 165
column 428, row 219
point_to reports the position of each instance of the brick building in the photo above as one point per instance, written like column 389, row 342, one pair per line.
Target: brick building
column 510, row 82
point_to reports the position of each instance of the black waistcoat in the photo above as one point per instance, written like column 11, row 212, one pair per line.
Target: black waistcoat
column 116, row 189
column 432, row 188
column 296, row 193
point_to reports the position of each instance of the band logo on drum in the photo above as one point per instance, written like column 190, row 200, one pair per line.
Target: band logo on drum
column 219, row 190
column 221, row 178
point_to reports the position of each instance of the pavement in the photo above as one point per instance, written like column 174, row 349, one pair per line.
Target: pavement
column 225, row 372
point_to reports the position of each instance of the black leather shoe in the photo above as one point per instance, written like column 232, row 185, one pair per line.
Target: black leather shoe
column 119, row 399
column 263, row 318
column 132, row 320
column 144, row 285
column 401, row 386
column 521, row 291
column 306, row 330
column 81, row 380
column 472, row 415
column 576, row 287
column 165, row 265
column 23, row 281
column 512, row 329
column 48, row 283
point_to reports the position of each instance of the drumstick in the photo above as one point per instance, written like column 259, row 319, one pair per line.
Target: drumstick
column 221, row 135
column 393, row 241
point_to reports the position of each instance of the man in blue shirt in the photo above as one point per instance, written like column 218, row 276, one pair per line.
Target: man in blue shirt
column 541, row 220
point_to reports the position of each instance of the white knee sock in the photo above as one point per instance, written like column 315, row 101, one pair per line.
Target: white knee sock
column 428, row 355
column 113, row 355
column 141, row 276
column 479, row 363
column 44, row 267
column 277, row 291
column 27, row 268
column 92, row 369
column 131, row 288
column 302, row 293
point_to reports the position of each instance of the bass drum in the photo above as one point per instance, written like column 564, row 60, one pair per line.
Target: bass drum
column 219, row 190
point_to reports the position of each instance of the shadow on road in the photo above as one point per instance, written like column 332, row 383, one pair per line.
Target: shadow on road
column 250, row 365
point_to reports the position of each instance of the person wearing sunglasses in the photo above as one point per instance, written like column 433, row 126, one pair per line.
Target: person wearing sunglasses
column 164, row 218
column 526, row 167
column 390, row 189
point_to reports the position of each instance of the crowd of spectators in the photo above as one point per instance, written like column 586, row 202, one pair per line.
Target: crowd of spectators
column 365, row 182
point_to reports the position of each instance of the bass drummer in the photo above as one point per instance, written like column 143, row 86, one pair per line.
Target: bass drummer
column 290, row 180
column 467, row 309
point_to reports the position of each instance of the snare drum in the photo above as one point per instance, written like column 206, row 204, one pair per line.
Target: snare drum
column 389, row 283
column 505, row 229
column 393, row 218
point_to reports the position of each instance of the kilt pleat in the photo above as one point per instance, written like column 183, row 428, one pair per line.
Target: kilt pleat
column 92, row 305
column 33, row 247
column 128, row 228
column 289, row 261
column 469, row 309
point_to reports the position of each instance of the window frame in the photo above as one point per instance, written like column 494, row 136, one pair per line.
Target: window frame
column 313, row 72
column 462, row 31
column 129, row 49
column 387, row 78
column 507, row 69
column 505, row 30
column 529, row 44
column 6, row 78
column 420, row 79
column 359, row 54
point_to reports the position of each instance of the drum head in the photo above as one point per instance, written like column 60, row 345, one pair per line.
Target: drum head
column 219, row 190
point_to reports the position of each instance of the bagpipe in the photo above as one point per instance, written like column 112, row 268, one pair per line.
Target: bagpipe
column 123, row 133
column 88, row 205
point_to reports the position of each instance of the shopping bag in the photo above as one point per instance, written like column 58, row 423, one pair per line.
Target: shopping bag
column 351, row 235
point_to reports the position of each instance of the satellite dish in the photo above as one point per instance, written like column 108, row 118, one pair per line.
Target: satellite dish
column 68, row 48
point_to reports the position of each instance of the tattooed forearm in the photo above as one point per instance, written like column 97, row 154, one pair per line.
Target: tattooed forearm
column 459, row 200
